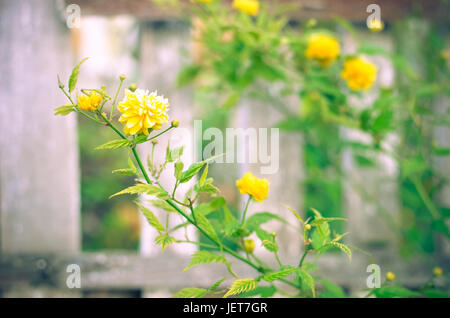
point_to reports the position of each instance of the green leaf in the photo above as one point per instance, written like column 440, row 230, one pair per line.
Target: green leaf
column 114, row 144
column 325, row 220
column 241, row 285
column 164, row 240
column 64, row 110
column 206, row 226
column 74, row 76
column 203, row 177
column 270, row 245
column 205, row 257
column 343, row 248
column 257, row 219
column 216, row 285
column 331, row 290
column 190, row 293
column 125, row 172
column 436, row 293
column 163, row 205
column 140, row 189
column 263, row 291
column 191, row 171
column 307, row 280
column 174, row 154
column 392, row 291
column 267, row 240
column 151, row 218
column 178, row 169
column 279, row 274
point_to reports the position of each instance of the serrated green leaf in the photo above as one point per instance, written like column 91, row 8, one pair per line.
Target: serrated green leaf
column 216, row 285
column 206, row 226
column 163, row 205
column 295, row 213
column 74, row 76
column 263, row 291
column 325, row 220
column 343, row 248
column 64, row 110
column 279, row 274
column 270, row 245
column 178, row 169
column 257, row 219
column 307, row 280
column 125, row 172
column 190, row 293
column 205, row 257
column 140, row 189
column 114, row 144
column 241, row 285
column 164, row 240
column 191, row 171
column 151, row 218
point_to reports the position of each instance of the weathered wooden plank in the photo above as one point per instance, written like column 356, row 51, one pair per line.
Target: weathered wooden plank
column 129, row 271
column 354, row 10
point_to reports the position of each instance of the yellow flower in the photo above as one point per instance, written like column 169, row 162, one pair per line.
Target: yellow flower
column 376, row 25
column 203, row 1
column 360, row 74
column 248, row 6
column 142, row 111
column 323, row 48
column 89, row 103
column 249, row 245
column 390, row 276
column 257, row 188
column 437, row 271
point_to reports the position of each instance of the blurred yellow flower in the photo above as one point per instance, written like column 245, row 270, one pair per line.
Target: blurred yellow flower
column 203, row 1
column 142, row 111
column 437, row 271
column 257, row 188
column 248, row 6
column 359, row 73
column 376, row 25
column 249, row 245
column 89, row 103
column 390, row 276
column 323, row 48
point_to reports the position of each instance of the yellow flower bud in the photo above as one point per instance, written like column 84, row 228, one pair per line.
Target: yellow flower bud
column 390, row 276
column 122, row 77
column 175, row 123
column 132, row 87
column 307, row 227
column 257, row 188
column 249, row 245
column 376, row 25
column 437, row 271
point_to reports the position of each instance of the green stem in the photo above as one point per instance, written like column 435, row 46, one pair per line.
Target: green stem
column 115, row 99
column 181, row 212
column 245, row 210
column 425, row 197
column 303, row 257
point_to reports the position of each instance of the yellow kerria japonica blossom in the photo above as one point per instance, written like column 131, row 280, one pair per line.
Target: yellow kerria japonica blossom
column 437, row 271
column 203, row 1
column 89, row 103
column 142, row 111
column 323, row 48
column 257, row 188
column 359, row 73
column 248, row 6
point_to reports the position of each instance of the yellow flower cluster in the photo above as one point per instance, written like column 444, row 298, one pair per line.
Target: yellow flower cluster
column 142, row 111
column 250, row 7
column 323, row 48
column 359, row 73
column 257, row 188
column 89, row 103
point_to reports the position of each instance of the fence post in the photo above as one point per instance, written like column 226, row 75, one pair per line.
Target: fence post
column 39, row 186
column 161, row 61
